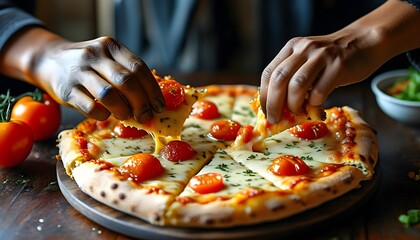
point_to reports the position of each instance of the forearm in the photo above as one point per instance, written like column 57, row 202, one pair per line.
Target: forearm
column 391, row 29
column 19, row 57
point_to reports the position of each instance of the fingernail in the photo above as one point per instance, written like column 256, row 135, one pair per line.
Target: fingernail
column 146, row 115
column 271, row 119
column 159, row 105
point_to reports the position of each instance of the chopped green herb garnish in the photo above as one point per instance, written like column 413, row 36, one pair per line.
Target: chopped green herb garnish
column 223, row 167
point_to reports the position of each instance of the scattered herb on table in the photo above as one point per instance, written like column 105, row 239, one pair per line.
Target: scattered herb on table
column 410, row 218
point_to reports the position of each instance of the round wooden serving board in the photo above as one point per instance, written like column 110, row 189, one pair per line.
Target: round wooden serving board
column 134, row 227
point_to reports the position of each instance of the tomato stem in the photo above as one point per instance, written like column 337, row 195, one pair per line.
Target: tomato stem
column 7, row 102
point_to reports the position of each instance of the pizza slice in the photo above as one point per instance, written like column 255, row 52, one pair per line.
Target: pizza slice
column 250, row 136
column 225, row 193
column 343, row 138
column 313, row 182
column 125, row 173
column 167, row 126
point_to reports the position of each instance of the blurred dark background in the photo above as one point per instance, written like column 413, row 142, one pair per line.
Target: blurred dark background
column 230, row 36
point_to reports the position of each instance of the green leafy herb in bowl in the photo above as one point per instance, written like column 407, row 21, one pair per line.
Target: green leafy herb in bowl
column 392, row 90
column 407, row 88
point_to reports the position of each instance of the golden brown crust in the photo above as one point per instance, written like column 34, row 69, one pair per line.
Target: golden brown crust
column 264, row 207
column 358, row 144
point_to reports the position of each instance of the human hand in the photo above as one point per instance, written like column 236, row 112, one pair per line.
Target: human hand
column 98, row 78
column 312, row 67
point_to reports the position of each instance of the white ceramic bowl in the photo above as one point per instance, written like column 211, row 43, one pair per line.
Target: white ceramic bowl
column 400, row 110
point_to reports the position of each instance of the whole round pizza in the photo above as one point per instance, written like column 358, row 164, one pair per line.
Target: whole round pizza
column 213, row 160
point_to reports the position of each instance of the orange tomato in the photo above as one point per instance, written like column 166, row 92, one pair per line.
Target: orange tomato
column 128, row 132
column 225, row 130
column 173, row 92
column 207, row 183
column 140, row 167
column 205, row 109
column 288, row 165
column 310, row 130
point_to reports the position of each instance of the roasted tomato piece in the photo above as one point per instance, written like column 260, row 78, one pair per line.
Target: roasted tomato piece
column 177, row 150
column 140, row 167
column 173, row 92
column 205, row 109
column 225, row 130
column 246, row 133
column 288, row 165
column 128, row 132
column 310, row 130
column 207, row 183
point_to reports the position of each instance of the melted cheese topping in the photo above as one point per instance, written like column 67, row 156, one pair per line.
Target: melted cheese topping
column 167, row 126
column 236, row 178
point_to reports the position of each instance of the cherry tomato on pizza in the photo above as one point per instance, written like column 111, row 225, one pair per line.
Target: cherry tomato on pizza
column 246, row 132
column 177, row 150
column 173, row 92
column 205, row 109
column 41, row 113
column 207, row 183
column 310, row 130
column 16, row 141
column 225, row 130
column 288, row 165
column 140, row 167
column 128, row 132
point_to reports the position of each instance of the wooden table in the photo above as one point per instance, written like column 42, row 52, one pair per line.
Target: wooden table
column 32, row 205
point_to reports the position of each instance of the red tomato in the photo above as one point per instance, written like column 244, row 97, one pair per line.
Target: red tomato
column 173, row 92
column 207, row 183
column 140, row 167
column 43, row 117
column 288, row 115
column 288, row 165
column 310, row 130
column 225, row 130
column 177, row 150
column 246, row 133
column 128, row 132
column 205, row 109
column 16, row 140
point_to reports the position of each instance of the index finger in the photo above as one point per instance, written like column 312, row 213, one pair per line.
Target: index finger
column 141, row 73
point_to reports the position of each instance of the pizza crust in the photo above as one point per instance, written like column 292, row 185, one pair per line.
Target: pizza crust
column 122, row 195
column 269, row 206
column 367, row 146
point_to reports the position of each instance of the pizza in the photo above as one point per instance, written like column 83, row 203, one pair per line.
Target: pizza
column 213, row 161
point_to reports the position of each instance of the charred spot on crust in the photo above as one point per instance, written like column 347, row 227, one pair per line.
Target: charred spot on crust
column 210, row 221
column 91, row 188
column 133, row 209
column 121, row 196
column 279, row 207
column 226, row 220
column 115, row 202
column 156, row 217
column 114, row 186
column 103, row 194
